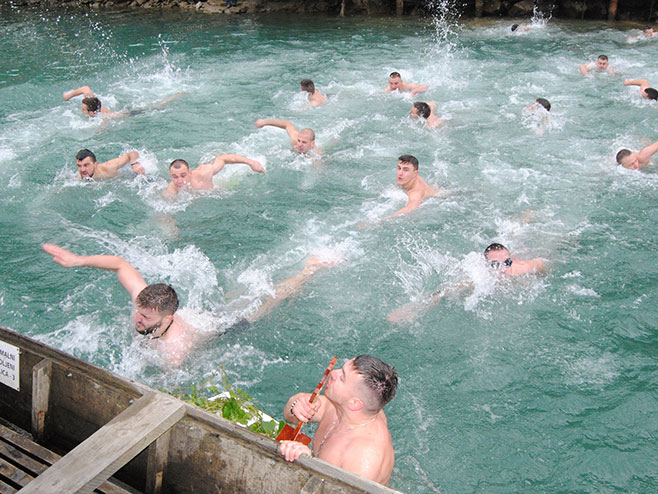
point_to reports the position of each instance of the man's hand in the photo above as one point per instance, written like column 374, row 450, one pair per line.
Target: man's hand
column 260, row 123
column 292, row 450
column 138, row 168
column 304, row 411
column 61, row 256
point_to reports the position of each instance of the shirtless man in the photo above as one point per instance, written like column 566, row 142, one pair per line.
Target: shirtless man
column 647, row 32
column 408, row 180
column 353, row 431
column 201, row 177
column 155, row 305
column 498, row 257
column 89, row 168
column 427, row 112
column 315, row 97
column 645, row 91
column 541, row 102
column 520, row 29
column 302, row 141
column 395, row 83
column 635, row 161
column 601, row 65
column 91, row 105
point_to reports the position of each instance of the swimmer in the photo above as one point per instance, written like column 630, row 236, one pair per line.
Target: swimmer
column 427, row 112
column 315, row 97
column 636, row 161
column 647, row 32
column 645, row 91
column 409, row 181
column 516, row 28
column 201, row 177
column 541, row 102
column 395, row 83
column 497, row 256
column 353, row 431
column 302, row 141
column 155, row 305
column 89, row 168
column 91, row 105
column 601, row 65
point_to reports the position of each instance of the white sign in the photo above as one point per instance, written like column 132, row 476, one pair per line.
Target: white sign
column 10, row 369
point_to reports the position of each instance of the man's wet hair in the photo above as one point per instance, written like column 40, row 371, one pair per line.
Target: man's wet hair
column 603, row 57
column 307, row 85
column 514, row 27
column 85, row 153
column 160, row 297
column 494, row 248
column 423, row 108
column 395, row 75
column 647, row 28
column 407, row 158
column 379, row 378
column 545, row 103
column 93, row 104
column 623, row 154
column 178, row 164
column 651, row 93
column 308, row 131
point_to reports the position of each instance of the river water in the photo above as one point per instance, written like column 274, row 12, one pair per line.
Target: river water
column 534, row 385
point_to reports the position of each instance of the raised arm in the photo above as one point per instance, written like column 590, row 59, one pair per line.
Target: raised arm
column 298, row 409
column 81, row 91
column 111, row 168
column 645, row 154
column 127, row 275
column 636, row 82
column 282, row 124
column 221, row 160
column 417, row 88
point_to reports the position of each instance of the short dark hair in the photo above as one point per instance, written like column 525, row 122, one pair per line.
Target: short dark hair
column 307, row 85
column 622, row 154
column 379, row 378
column 423, row 108
column 407, row 158
column 160, row 297
column 395, row 74
column 494, row 248
column 85, row 153
column 646, row 28
column 603, row 57
column 514, row 27
column 651, row 93
column 545, row 103
column 178, row 164
column 93, row 103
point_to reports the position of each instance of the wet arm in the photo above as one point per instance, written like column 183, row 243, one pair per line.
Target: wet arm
column 636, row 82
column 584, row 70
column 81, row 91
column 303, row 410
column 646, row 153
column 415, row 198
column 127, row 275
column 418, row 88
column 223, row 159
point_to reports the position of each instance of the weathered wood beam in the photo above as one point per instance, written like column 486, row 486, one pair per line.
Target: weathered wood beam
column 399, row 7
column 158, row 454
column 41, row 375
column 109, row 448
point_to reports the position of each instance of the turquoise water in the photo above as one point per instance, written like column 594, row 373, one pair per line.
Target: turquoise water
column 541, row 384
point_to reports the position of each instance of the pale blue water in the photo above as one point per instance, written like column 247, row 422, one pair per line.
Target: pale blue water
column 538, row 385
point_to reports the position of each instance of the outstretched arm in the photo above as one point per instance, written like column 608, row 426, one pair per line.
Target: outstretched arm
column 282, row 124
column 636, row 82
column 412, row 310
column 128, row 276
column 645, row 154
column 289, row 287
column 221, row 160
column 81, row 91
column 417, row 89
column 111, row 168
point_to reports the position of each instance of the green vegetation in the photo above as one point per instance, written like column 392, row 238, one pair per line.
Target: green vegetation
column 233, row 404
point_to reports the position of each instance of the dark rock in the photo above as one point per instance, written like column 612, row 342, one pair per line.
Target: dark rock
column 521, row 9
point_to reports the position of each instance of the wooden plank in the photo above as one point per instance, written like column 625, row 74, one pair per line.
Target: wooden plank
column 6, row 488
column 21, row 451
column 158, row 454
column 108, row 449
column 41, row 374
column 13, row 474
